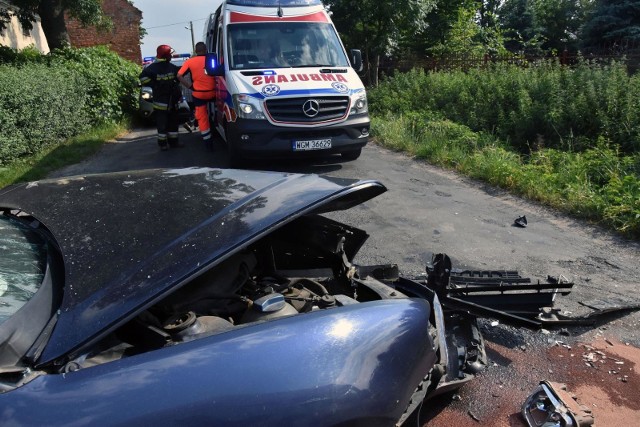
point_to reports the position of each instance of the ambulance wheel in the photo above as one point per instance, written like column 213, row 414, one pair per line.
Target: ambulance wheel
column 351, row 154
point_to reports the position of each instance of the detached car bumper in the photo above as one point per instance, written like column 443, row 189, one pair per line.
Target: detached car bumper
column 257, row 139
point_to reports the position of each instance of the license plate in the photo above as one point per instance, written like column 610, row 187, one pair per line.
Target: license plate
column 314, row 144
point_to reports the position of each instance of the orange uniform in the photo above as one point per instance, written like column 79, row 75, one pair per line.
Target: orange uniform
column 203, row 91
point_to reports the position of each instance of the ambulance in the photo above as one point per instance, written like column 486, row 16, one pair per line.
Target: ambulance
column 286, row 86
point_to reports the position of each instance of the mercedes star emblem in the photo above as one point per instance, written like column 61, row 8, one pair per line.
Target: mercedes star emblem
column 311, row 108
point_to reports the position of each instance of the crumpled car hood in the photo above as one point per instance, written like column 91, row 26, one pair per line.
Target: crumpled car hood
column 130, row 238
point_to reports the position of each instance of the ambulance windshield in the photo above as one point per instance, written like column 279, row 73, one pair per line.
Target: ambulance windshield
column 284, row 44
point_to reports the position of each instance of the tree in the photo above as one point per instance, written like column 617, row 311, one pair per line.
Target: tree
column 517, row 18
column 378, row 27
column 438, row 23
column 52, row 14
column 537, row 26
column 560, row 21
column 471, row 34
column 612, row 22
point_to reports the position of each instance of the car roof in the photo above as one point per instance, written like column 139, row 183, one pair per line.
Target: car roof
column 130, row 238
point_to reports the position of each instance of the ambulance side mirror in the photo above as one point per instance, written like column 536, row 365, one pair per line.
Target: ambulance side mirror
column 212, row 66
column 356, row 59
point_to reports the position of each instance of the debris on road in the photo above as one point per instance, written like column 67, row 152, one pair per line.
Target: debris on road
column 551, row 405
column 521, row 221
column 499, row 294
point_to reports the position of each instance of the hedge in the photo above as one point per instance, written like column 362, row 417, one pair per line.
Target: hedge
column 45, row 99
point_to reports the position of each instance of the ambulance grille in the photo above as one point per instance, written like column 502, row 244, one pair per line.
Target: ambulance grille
column 291, row 110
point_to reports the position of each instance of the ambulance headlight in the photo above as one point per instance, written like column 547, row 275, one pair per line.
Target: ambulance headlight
column 248, row 107
column 359, row 104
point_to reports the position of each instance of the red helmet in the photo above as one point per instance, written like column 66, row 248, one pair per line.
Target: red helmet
column 164, row 51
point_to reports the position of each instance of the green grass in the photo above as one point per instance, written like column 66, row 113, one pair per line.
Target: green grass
column 599, row 184
column 73, row 150
column 568, row 137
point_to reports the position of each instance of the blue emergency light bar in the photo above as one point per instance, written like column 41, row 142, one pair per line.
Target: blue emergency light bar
column 175, row 55
column 275, row 3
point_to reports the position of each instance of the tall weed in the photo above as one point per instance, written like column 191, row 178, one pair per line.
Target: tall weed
column 599, row 183
column 543, row 105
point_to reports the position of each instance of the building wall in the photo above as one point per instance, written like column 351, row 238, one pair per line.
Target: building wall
column 123, row 38
column 14, row 37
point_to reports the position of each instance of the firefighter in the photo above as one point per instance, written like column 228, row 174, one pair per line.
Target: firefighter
column 161, row 77
column 203, row 90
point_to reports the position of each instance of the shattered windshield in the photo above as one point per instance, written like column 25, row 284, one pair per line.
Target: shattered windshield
column 284, row 44
column 22, row 265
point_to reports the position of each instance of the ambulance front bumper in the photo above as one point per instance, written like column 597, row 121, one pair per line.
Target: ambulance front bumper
column 258, row 139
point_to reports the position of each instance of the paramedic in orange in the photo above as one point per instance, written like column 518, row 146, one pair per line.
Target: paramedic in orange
column 203, row 90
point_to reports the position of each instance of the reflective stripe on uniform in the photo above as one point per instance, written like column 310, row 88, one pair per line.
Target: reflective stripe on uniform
column 160, row 106
column 173, row 135
column 162, row 136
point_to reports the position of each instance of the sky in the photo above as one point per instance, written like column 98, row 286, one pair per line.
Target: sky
column 168, row 22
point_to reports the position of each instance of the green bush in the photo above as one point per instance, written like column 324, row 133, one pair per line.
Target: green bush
column 47, row 98
column 34, row 112
column 111, row 81
column 544, row 105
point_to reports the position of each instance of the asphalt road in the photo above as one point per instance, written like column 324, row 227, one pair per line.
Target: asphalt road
column 428, row 210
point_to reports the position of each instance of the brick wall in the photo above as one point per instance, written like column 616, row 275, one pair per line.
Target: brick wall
column 123, row 38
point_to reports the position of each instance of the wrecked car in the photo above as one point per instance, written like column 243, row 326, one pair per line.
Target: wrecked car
column 218, row 297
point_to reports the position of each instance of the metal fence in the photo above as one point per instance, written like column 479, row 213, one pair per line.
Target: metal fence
column 628, row 54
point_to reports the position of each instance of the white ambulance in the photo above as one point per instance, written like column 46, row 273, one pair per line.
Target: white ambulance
column 285, row 84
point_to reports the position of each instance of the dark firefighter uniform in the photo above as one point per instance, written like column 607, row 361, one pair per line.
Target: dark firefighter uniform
column 161, row 77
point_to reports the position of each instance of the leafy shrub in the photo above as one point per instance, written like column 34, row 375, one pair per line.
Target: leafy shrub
column 27, row 55
column 36, row 112
column 112, row 81
column 544, row 105
column 48, row 98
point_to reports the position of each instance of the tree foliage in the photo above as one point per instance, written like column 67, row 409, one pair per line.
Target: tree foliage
column 467, row 36
column 612, row 22
column 378, row 27
column 439, row 22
